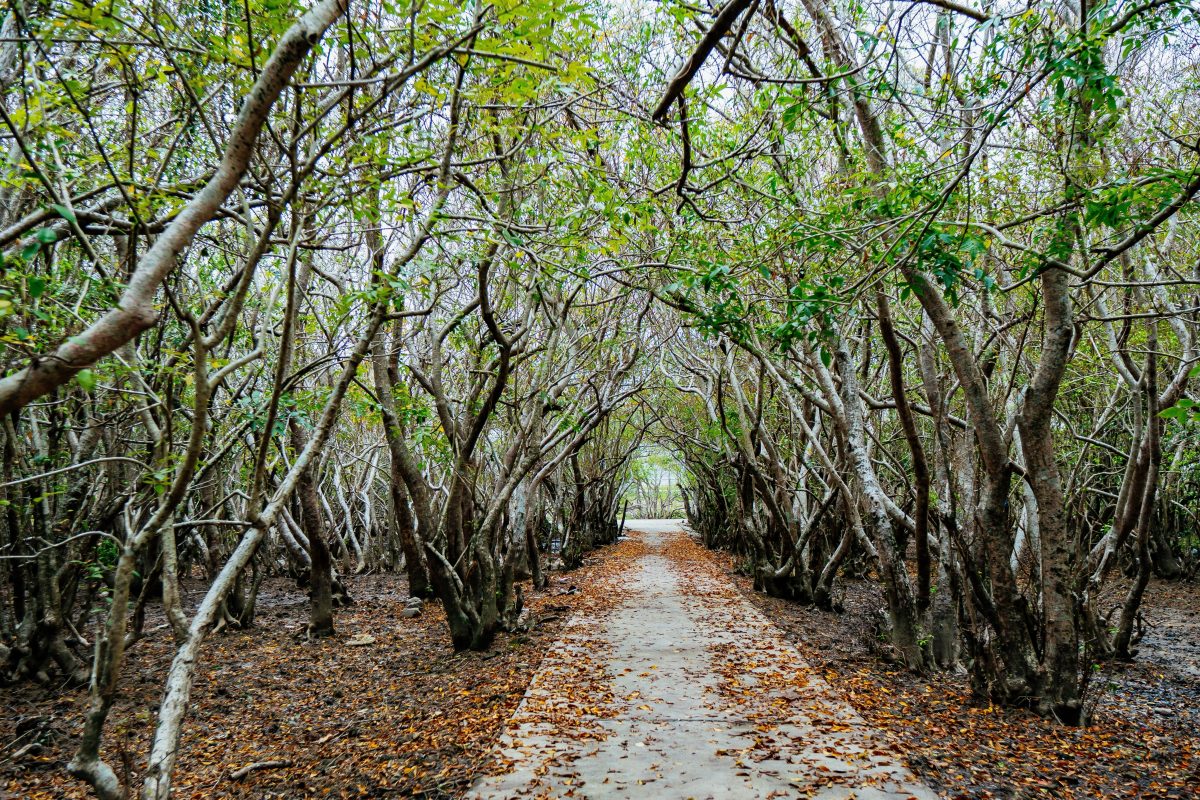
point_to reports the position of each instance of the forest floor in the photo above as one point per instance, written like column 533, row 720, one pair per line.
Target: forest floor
column 1142, row 742
column 400, row 716
column 404, row 715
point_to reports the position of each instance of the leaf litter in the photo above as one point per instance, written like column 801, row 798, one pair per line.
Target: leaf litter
column 384, row 709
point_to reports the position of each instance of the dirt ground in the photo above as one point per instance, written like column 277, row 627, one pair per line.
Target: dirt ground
column 406, row 716
column 403, row 716
column 1142, row 742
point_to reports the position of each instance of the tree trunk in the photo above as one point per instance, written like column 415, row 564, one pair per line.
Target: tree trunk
column 1060, row 660
column 320, row 576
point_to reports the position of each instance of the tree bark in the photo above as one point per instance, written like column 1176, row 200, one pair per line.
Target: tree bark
column 312, row 520
column 135, row 311
column 1060, row 614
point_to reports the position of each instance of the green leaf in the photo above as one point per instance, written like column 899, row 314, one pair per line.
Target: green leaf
column 86, row 379
column 46, row 236
column 1185, row 410
column 36, row 286
column 791, row 114
column 65, row 213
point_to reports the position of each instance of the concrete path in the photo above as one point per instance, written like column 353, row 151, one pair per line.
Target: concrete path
column 677, row 687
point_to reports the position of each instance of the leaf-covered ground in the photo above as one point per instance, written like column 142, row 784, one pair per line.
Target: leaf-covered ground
column 402, row 716
column 709, row 700
column 1142, row 743
column 405, row 716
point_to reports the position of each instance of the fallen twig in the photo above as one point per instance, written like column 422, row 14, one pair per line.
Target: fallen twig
column 238, row 774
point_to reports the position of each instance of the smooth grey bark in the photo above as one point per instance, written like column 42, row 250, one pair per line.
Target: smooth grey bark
column 135, row 312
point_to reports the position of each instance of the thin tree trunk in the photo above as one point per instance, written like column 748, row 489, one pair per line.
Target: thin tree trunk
column 312, row 520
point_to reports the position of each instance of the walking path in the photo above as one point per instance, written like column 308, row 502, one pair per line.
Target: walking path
column 677, row 687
